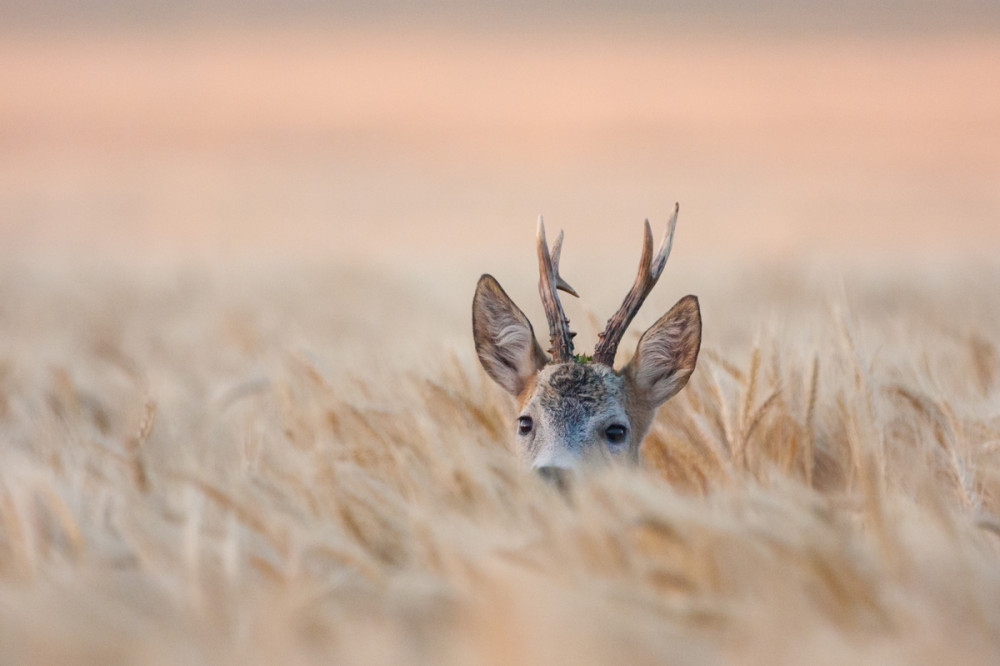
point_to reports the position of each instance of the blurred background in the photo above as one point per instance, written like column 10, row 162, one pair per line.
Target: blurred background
column 387, row 131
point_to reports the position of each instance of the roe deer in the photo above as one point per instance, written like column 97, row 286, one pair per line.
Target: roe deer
column 574, row 408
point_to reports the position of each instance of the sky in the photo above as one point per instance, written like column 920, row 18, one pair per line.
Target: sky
column 849, row 15
column 381, row 129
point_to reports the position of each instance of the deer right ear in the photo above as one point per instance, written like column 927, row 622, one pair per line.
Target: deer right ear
column 667, row 353
column 505, row 341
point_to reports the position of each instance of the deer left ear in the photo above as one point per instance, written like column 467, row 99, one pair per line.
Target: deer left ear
column 505, row 342
column 667, row 353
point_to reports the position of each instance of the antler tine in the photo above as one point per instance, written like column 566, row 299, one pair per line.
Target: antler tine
column 556, row 253
column 650, row 269
column 665, row 245
column 548, row 282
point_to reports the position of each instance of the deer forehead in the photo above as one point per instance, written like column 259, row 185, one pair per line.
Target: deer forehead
column 570, row 394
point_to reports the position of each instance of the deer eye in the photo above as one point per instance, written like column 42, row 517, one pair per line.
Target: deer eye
column 524, row 425
column 615, row 433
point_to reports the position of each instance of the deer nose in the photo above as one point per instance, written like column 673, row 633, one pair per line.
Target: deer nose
column 557, row 476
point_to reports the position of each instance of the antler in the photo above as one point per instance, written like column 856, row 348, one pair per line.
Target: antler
column 650, row 268
column 549, row 281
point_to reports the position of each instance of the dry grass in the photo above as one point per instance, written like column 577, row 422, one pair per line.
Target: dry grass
column 250, row 466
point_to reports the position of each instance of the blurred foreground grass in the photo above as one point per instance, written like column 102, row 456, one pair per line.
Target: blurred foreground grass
column 304, row 463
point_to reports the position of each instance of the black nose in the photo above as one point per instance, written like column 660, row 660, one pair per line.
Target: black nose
column 557, row 476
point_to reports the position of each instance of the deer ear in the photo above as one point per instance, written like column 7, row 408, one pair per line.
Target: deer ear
column 505, row 341
column 667, row 353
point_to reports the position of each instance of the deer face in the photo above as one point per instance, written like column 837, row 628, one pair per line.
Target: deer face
column 574, row 412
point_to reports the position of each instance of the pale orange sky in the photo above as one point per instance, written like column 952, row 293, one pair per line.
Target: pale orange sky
column 382, row 140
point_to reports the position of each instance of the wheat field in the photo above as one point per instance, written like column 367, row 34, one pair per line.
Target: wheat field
column 247, row 464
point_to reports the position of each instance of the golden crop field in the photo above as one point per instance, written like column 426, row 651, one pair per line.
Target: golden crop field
column 241, row 417
column 249, row 467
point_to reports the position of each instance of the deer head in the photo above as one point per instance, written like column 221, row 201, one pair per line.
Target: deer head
column 575, row 409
